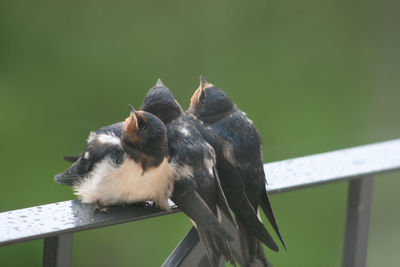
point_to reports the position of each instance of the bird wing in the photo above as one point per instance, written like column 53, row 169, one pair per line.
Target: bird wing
column 267, row 208
column 222, row 203
column 193, row 205
column 247, row 215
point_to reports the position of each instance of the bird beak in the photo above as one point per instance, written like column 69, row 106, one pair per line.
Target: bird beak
column 202, row 88
column 199, row 93
column 203, row 83
column 131, row 124
column 133, row 117
column 159, row 83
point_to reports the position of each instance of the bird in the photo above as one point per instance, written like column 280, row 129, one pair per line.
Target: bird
column 125, row 162
column 238, row 148
column 129, row 162
column 196, row 161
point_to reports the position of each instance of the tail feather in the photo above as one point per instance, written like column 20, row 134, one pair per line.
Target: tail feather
column 267, row 208
column 71, row 159
column 224, row 248
column 261, row 256
column 194, row 206
column 215, row 247
column 251, row 248
column 209, row 247
column 245, row 212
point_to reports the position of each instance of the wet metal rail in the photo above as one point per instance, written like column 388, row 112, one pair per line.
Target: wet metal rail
column 56, row 222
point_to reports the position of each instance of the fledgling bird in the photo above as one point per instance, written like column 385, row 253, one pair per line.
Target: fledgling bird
column 195, row 160
column 239, row 162
column 129, row 162
column 125, row 162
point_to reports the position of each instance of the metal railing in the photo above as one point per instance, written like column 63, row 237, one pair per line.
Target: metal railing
column 56, row 222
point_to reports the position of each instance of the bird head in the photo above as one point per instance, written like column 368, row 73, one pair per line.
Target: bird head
column 160, row 102
column 103, row 145
column 209, row 103
column 144, row 136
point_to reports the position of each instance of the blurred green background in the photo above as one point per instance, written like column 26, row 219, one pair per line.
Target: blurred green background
column 313, row 75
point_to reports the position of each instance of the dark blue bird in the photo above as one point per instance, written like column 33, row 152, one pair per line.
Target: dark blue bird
column 195, row 160
column 239, row 162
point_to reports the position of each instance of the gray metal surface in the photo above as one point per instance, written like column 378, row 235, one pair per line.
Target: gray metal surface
column 357, row 225
column 333, row 166
column 188, row 253
column 57, row 251
column 72, row 216
column 65, row 217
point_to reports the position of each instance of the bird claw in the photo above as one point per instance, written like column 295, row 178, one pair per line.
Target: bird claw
column 149, row 204
column 100, row 208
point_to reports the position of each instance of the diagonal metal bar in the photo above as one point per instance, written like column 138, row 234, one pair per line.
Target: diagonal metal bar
column 357, row 225
column 188, row 253
column 57, row 251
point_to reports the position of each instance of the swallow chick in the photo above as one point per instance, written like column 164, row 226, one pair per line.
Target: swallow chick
column 197, row 190
column 125, row 162
column 239, row 162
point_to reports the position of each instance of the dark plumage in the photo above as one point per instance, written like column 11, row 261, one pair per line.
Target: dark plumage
column 239, row 156
column 195, row 161
column 98, row 151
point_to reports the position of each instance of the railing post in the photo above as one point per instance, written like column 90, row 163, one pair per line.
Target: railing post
column 357, row 222
column 57, row 251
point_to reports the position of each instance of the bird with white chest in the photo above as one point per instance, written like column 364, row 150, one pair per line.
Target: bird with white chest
column 125, row 162
column 129, row 162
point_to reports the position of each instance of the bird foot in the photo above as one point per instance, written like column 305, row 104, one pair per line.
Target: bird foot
column 149, row 204
column 100, row 208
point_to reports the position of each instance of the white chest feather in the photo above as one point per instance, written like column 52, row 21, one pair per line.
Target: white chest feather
column 127, row 184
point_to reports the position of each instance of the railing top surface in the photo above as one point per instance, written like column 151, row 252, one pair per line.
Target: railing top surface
column 332, row 166
column 72, row 216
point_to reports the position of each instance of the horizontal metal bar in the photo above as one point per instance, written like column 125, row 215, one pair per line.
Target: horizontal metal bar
column 66, row 217
column 72, row 216
column 333, row 166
